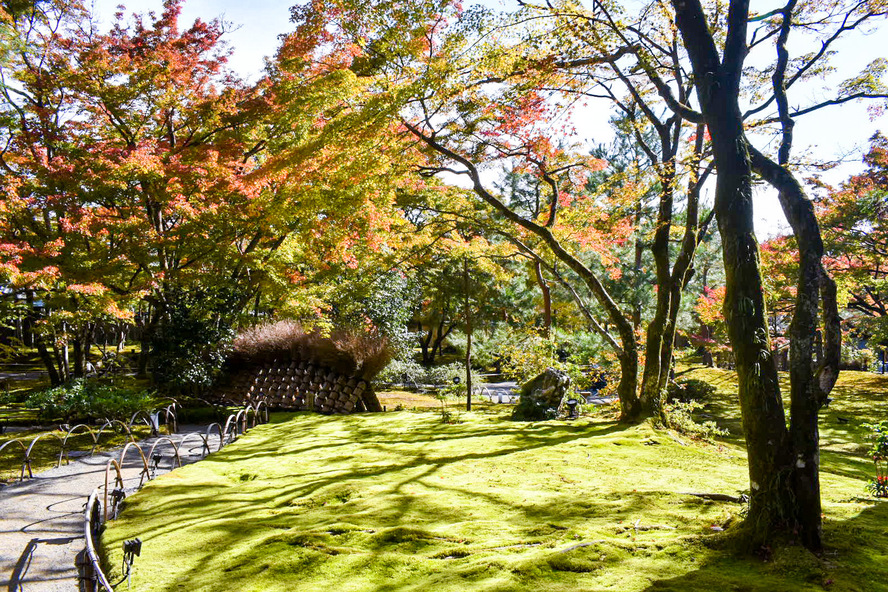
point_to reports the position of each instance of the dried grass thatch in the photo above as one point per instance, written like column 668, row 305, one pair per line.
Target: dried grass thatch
column 343, row 351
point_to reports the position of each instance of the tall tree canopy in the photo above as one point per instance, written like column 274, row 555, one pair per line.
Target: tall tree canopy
column 855, row 222
column 477, row 90
column 136, row 166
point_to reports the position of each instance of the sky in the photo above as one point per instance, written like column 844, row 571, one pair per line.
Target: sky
column 256, row 25
column 832, row 133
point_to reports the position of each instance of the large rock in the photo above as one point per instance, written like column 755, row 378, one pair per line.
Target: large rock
column 541, row 397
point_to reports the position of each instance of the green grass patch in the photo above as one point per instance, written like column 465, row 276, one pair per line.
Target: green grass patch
column 17, row 414
column 858, row 398
column 404, row 400
column 400, row 501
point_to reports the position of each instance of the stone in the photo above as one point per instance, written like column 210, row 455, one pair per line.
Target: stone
column 541, row 397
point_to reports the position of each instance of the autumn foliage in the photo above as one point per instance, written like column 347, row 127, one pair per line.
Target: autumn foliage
column 138, row 167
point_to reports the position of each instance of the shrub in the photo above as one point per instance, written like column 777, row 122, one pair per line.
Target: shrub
column 528, row 357
column 189, row 346
column 346, row 352
column 411, row 372
column 878, row 451
column 403, row 371
column 690, row 389
column 447, row 373
column 82, row 399
column 857, row 358
column 529, row 410
column 679, row 417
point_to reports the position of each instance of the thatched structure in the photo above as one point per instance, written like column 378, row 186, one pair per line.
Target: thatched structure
column 295, row 369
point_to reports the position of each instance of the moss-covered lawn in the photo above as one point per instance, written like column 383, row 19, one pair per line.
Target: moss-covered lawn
column 858, row 398
column 400, row 501
column 45, row 454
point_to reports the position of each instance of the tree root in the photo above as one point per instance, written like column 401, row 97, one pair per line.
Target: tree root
column 720, row 497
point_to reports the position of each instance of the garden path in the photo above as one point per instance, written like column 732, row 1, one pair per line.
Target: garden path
column 507, row 393
column 41, row 532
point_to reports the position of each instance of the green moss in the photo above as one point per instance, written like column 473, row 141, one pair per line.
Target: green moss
column 45, row 454
column 398, row 501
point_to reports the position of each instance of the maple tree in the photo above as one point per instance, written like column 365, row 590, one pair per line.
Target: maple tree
column 673, row 152
column 467, row 124
column 856, row 240
column 458, row 267
column 136, row 166
column 122, row 161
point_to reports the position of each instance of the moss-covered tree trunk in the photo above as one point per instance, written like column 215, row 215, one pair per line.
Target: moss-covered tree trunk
column 808, row 389
column 656, row 343
column 660, row 340
column 783, row 463
column 768, row 448
column 768, row 445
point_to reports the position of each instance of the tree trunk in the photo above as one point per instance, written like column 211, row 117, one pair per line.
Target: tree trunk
column 79, row 356
column 81, row 344
column 630, row 404
column 547, row 299
column 768, row 445
column 60, row 353
column 660, row 340
column 121, row 339
column 768, row 448
column 651, row 394
column 682, row 269
column 639, row 253
column 54, row 378
column 147, row 334
column 808, row 389
column 424, row 347
column 468, row 314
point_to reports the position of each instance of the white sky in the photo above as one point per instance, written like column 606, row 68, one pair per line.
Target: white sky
column 829, row 134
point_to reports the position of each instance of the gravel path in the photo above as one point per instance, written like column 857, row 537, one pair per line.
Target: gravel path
column 41, row 533
column 507, row 392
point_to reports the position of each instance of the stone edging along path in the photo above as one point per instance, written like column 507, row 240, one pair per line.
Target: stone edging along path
column 41, row 519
